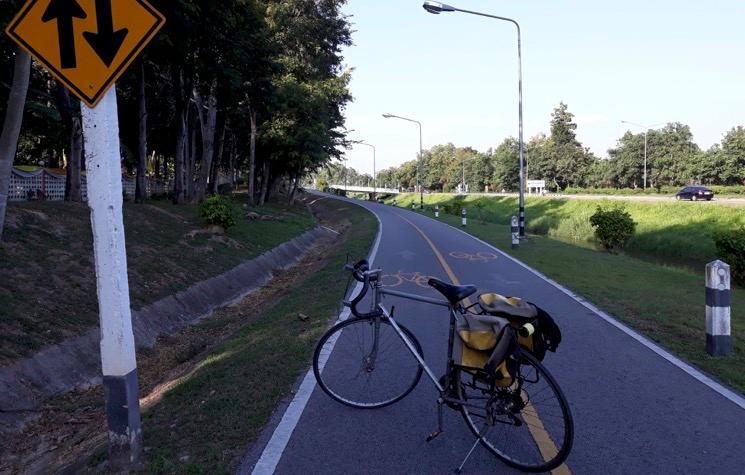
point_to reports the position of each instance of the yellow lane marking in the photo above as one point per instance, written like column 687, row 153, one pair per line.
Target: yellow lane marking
column 537, row 430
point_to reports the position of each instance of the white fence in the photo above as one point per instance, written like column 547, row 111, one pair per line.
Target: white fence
column 49, row 184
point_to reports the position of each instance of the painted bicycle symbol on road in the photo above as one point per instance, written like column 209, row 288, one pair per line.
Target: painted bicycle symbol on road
column 477, row 257
column 400, row 277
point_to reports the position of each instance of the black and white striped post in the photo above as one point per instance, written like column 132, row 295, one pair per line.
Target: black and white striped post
column 718, row 298
column 101, row 136
column 463, row 217
column 515, row 229
column 437, row 211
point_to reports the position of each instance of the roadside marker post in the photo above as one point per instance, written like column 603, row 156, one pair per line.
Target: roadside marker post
column 718, row 301
column 413, row 206
column 463, row 217
column 78, row 44
column 515, row 229
column 437, row 211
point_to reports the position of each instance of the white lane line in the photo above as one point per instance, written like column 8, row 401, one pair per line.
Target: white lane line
column 695, row 373
column 274, row 449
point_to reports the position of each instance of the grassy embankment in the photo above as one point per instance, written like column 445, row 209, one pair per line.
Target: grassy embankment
column 47, row 283
column 205, row 423
column 669, row 233
column 664, row 302
column 719, row 190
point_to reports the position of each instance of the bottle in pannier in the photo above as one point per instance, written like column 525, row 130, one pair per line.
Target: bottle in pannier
column 487, row 341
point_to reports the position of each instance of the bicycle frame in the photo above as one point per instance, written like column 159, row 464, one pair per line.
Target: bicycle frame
column 378, row 291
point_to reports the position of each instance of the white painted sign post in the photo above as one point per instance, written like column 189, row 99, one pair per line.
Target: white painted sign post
column 101, row 135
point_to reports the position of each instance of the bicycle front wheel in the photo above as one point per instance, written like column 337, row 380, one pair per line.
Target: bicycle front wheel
column 364, row 363
column 527, row 425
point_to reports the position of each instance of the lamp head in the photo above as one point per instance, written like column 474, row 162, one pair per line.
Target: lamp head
column 387, row 116
column 437, row 7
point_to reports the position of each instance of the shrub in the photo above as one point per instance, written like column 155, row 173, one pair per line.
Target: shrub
column 452, row 208
column 613, row 227
column 322, row 185
column 731, row 249
column 217, row 210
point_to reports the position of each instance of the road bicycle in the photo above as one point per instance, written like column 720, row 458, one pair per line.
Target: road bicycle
column 522, row 418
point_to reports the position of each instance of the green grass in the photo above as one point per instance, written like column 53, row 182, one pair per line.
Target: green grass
column 676, row 233
column 47, row 282
column 220, row 408
column 719, row 190
column 665, row 303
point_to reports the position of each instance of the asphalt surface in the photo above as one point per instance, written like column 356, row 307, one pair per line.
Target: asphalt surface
column 634, row 412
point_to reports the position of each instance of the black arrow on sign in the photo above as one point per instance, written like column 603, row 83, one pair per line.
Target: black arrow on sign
column 106, row 42
column 64, row 11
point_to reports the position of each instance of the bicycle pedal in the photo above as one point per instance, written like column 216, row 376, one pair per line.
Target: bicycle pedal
column 433, row 435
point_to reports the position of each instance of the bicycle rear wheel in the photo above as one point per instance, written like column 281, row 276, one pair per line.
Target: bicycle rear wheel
column 527, row 425
column 370, row 367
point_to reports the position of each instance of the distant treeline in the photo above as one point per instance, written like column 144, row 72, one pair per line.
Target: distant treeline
column 673, row 159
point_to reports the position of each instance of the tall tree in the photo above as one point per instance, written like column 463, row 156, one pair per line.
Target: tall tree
column 12, row 126
column 506, row 162
column 141, row 183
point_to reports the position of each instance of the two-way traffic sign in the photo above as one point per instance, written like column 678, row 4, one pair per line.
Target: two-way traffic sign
column 85, row 44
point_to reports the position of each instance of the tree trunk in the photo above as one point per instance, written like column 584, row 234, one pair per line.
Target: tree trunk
column 141, row 184
column 179, row 163
column 231, row 161
column 73, row 191
column 12, row 126
column 264, row 183
column 252, row 161
column 71, row 121
column 191, row 160
column 222, row 124
column 293, row 189
column 208, row 123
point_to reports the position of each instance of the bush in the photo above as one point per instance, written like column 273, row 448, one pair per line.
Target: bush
column 731, row 249
column 613, row 227
column 452, row 208
column 217, row 210
column 322, row 185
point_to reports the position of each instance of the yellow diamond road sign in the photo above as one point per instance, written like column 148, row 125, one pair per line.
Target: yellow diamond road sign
column 85, row 44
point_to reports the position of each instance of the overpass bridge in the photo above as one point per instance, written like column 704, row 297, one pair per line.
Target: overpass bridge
column 364, row 189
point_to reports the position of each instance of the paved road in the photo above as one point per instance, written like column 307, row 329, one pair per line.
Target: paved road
column 634, row 411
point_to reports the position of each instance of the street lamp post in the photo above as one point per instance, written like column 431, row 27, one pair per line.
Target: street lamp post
column 375, row 191
column 646, row 129
column 437, row 8
column 418, row 172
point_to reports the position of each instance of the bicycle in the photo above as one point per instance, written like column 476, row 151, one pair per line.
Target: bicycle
column 522, row 418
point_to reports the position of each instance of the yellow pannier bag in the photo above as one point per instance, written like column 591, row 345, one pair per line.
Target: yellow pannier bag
column 537, row 331
column 483, row 346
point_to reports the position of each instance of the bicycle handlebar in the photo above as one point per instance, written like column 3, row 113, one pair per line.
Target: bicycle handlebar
column 362, row 273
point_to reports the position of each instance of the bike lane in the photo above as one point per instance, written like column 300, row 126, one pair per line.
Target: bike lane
column 634, row 412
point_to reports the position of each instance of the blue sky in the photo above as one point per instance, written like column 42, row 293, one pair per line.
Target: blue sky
column 645, row 62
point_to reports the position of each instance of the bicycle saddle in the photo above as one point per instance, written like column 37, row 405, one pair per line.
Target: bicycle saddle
column 454, row 293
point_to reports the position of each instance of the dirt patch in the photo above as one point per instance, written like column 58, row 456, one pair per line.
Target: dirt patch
column 70, row 429
column 166, row 213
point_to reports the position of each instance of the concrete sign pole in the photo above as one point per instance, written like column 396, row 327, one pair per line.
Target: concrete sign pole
column 101, row 135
